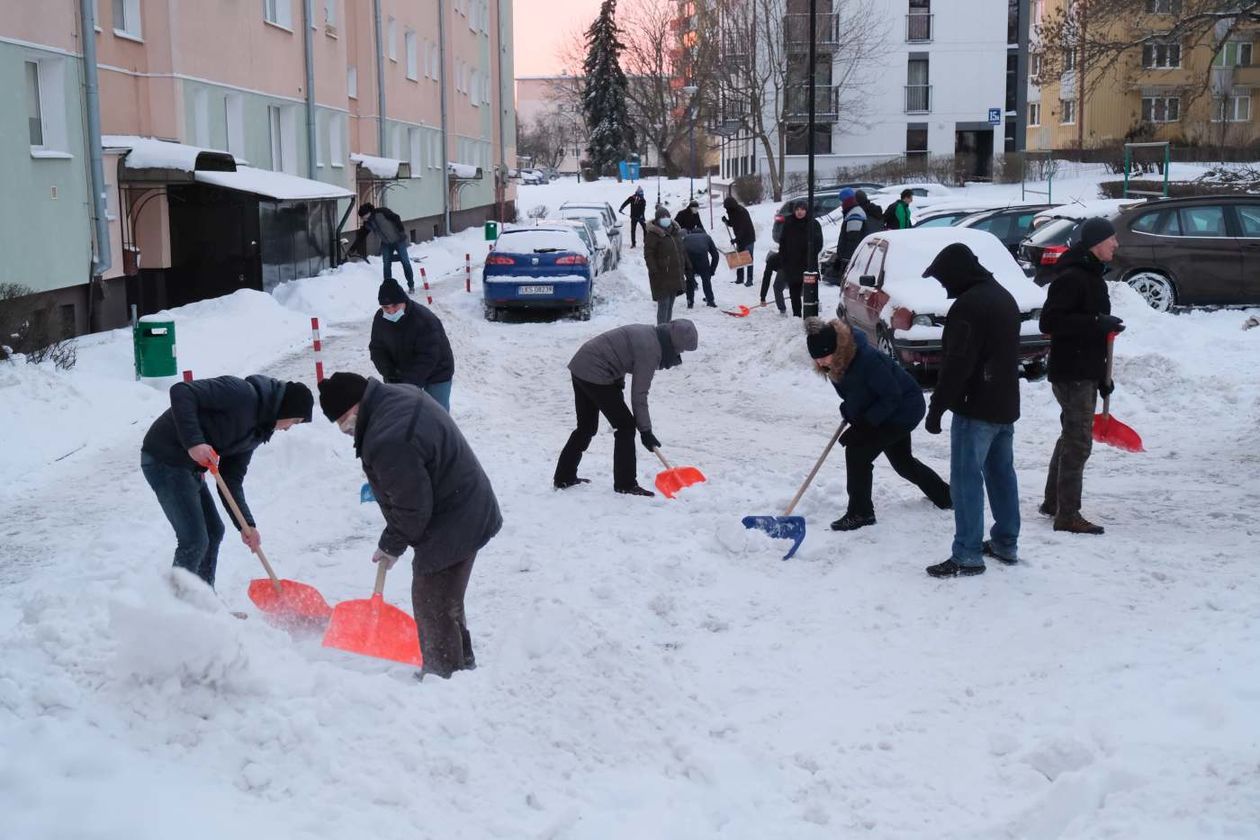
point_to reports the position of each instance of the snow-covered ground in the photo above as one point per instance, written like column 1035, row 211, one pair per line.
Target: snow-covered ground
column 648, row 668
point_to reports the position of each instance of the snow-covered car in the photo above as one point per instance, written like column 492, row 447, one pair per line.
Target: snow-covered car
column 537, row 268
column 886, row 295
column 586, row 232
column 609, row 256
column 533, row 176
column 612, row 222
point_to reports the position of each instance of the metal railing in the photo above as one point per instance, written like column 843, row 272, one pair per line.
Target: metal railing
column 796, row 31
column 918, row 99
column 919, row 27
column 826, row 103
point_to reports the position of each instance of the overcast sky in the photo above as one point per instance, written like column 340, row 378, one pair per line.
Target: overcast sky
column 542, row 28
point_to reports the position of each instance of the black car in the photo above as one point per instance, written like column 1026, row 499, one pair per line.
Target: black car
column 826, row 199
column 1009, row 224
column 1040, row 252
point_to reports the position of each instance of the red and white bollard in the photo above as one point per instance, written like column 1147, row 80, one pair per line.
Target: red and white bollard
column 467, row 272
column 188, row 376
column 318, row 347
column 424, row 279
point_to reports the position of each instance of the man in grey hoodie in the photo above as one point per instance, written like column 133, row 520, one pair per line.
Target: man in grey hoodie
column 599, row 370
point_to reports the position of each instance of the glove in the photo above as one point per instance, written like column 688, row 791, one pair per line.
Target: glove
column 1105, row 389
column 388, row 559
column 932, row 425
column 650, row 443
column 204, row 455
column 251, row 537
column 843, row 440
column 1110, row 324
column 726, row 221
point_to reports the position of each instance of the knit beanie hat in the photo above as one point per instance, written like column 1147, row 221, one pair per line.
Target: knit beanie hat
column 1095, row 230
column 661, row 212
column 296, row 402
column 390, row 293
column 340, row 392
column 822, row 343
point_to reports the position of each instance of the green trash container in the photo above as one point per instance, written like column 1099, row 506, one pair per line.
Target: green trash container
column 154, row 340
column 492, row 231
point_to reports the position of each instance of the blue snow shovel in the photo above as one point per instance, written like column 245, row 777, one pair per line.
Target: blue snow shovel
column 787, row 526
column 365, row 494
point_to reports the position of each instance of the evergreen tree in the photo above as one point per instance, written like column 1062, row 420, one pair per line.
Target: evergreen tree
column 604, row 94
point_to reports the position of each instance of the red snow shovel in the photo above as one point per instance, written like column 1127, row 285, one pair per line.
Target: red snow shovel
column 371, row 627
column 742, row 311
column 787, row 526
column 1108, row 429
column 673, row 479
column 286, row 603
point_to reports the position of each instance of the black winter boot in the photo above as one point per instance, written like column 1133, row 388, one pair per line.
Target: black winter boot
column 951, row 568
column 566, row 483
column 636, row 490
column 853, row 521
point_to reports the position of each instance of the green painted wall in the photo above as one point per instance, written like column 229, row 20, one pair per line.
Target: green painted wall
column 415, row 198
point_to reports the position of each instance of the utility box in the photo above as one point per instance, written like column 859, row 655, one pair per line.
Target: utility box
column 492, row 231
column 154, row 340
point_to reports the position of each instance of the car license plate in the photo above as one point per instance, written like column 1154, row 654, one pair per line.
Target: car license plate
column 537, row 290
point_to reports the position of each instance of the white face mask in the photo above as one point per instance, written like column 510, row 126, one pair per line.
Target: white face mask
column 393, row 317
column 665, row 222
column 346, row 424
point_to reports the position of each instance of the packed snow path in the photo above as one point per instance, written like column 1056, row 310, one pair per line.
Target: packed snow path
column 648, row 668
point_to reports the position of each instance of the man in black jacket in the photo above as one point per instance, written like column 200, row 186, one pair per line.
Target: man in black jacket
column 1077, row 317
column 702, row 260
column 979, row 382
column 689, row 217
column 389, row 230
column 409, row 344
column 434, row 495
column 638, row 213
column 799, row 244
column 743, row 235
column 220, row 420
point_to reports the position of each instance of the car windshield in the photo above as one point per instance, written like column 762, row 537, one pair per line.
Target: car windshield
column 945, row 220
column 1055, row 232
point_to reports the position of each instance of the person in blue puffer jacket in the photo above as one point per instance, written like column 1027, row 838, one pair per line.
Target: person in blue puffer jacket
column 882, row 404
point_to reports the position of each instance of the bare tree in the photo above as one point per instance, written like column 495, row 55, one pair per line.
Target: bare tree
column 544, row 140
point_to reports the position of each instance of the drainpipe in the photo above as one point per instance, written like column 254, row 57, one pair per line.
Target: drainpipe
column 501, row 188
column 101, row 261
column 380, row 79
column 446, row 190
column 308, row 20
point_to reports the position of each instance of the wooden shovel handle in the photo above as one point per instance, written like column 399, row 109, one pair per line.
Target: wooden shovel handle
column 381, row 570
column 657, row 453
column 817, row 466
column 240, row 520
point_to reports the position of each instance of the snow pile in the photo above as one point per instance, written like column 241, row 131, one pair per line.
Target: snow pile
column 268, row 184
column 383, row 168
column 151, row 153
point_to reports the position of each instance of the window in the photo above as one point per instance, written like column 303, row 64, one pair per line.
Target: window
column 1234, row 54
column 474, row 12
column 321, row 122
column 1202, row 221
column 1163, row 7
column 34, row 111
column 916, row 143
column 45, row 85
column 414, row 155
column 330, row 12
column 435, row 150
column 1034, row 113
column 1034, row 65
column 1235, row 108
column 413, row 59
column 127, row 18
column 391, row 39
column 474, row 87
column 1067, row 112
column 275, row 126
column 234, row 119
column 336, row 148
column 278, row 12
column 201, row 118
column 1248, row 219
column 1161, row 109
column 1069, row 60
column 1161, row 56
column 918, row 91
column 352, row 82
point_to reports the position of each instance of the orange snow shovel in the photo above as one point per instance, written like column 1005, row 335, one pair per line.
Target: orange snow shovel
column 371, row 627
column 673, row 479
column 742, row 311
column 286, row 603
column 1108, row 429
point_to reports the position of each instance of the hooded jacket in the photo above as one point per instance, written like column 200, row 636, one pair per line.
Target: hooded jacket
column 1076, row 297
column 799, row 245
column 687, row 218
column 979, row 375
column 431, row 488
column 633, row 350
column 875, row 390
column 741, row 223
column 414, row 350
column 702, row 253
column 665, row 256
column 387, row 226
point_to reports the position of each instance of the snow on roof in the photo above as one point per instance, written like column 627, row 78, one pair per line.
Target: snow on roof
column 151, row 153
column 462, row 170
column 381, row 167
column 1106, row 207
column 276, row 185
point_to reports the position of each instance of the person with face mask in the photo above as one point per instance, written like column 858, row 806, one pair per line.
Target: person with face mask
column 434, row 495
column 666, row 258
column 409, row 345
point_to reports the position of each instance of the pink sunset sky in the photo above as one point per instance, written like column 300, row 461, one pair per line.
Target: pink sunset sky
column 543, row 29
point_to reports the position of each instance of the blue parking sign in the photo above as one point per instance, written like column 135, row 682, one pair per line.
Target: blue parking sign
column 995, row 116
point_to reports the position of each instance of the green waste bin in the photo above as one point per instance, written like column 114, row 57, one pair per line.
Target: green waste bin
column 492, row 231
column 154, row 340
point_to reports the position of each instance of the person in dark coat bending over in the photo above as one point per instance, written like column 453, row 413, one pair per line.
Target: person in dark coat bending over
column 882, row 405
column 409, row 344
column 214, row 421
column 743, row 236
column 979, row 382
column 599, row 370
column 702, row 261
column 1077, row 317
column 434, row 495
column 389, row 230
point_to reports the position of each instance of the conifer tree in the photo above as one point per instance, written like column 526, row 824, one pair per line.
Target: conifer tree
column 604, row 92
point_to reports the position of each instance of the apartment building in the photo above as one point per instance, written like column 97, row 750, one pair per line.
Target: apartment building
column 1193, row 90
column 237, row 136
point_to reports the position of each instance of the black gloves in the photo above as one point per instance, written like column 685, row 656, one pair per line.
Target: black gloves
column 650, row 443
column 726, row 221
column 932, row 425
column 1110, row 324
column 1105, row 389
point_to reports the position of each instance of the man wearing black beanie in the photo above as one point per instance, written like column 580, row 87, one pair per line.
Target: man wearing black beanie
column 434, row 495
column 1077, row 317
column 409, row 344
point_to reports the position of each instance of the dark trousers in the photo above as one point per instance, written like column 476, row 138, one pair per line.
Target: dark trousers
column 794, row 282
column 590, row 401
column 636, row 222
column 437, row 600
column 772, row 266
column 745, row 275
column 706, row 280
column 863, row 444
column 1077, row 401
column 189, row 507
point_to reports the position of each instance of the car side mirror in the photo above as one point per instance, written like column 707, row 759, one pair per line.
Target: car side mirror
column 867, row 280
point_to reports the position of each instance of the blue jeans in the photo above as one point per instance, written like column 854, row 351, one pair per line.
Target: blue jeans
column 440, row 391
column 982, row 457
column 189, row 507
column 387, row 257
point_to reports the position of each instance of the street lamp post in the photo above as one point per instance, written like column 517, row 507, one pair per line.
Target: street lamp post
column 691, row 90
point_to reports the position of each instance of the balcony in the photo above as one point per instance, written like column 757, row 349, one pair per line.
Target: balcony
column 826, row 103
column 919, row 28
column 918, row 99
column 796, row 32
column 1222, row 80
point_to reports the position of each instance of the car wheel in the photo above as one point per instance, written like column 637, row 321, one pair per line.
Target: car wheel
column 584, row 312
column 493, row 313
column 1035, row 370
column 1155, row 288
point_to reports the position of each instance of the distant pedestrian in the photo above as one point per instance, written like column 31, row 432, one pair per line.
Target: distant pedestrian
column 666, row 259
column 702, row 261
column 214, row 421
column 744, row 235
column 853, row 229
column 409, row 345
column 799, row 243
column 771, row 274
column 599, row 370
column 638, row 212
column 689, row 216
column 1077, row 317
column 874, row 213
column 979, row 382
column 393, row 238
column 434, row 495
column 897, row 216
column 882, row 405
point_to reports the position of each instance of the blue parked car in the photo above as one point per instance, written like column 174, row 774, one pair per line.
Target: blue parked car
column 532, row 268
